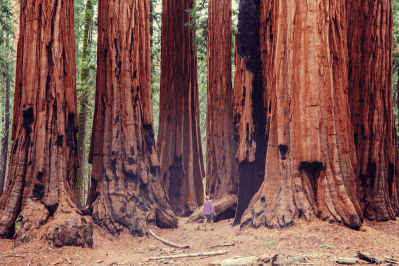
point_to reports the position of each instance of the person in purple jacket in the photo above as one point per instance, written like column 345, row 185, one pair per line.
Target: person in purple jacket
column 209, row 211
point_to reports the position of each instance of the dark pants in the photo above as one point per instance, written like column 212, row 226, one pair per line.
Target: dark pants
column 209, row 216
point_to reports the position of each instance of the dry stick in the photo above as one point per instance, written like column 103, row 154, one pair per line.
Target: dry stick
column 54, row 263
column 19, row 256
column 222, row 245
column 191, row 255
column 391, row 260
column 167, row 242
column 30, row 260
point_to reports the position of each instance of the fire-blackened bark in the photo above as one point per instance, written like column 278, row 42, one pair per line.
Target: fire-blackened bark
column 370, row 96
column 249, row 107
column 221, row 173
column 308, row 163
column 126, row 190
column 179, row 140
column 43, row 162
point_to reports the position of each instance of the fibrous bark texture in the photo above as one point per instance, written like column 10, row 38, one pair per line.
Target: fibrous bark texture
column 249, row 108
column 41, row 182
column 125, row 189
column 179, row 138
column 308, row 163
column 370, row 96
column 221, row 173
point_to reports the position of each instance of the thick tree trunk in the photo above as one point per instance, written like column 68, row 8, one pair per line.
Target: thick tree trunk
column 221, row 166
column 308, row 163
column 4, row 141
column 370, row 96
column 249, row 107
column 126, row 190
column 85, row 71
column 43, row 162
column 179, row 140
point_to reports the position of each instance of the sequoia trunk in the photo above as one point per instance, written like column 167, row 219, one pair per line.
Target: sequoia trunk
column 43, row 161
column 126, row 190
column 221, row 166
column 370, row 96
column 309, row 161
column 85, row 71
column 179, row 140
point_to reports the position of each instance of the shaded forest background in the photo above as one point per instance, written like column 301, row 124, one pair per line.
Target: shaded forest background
column 86, row 63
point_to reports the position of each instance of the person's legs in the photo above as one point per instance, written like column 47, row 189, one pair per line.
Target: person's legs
column 212, row 221
column 206, row 218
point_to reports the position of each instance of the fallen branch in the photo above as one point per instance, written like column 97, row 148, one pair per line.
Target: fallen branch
column 391, row 260
column 191, row 255
column 167, row 242
column 54, row 263
column 18, row 256
column 222, row 245
column 290, row 261
column 30, row 260
column 366, row 257
column 347, row 260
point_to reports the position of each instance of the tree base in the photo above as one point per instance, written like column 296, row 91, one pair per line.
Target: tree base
column 64, row 227
column 224, row 209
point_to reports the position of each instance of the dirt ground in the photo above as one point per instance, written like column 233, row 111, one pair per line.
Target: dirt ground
column 321, row 242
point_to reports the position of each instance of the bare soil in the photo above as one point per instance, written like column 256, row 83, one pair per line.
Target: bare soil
column 320, row 241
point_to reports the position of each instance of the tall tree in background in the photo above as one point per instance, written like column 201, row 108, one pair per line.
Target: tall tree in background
column 126, row 190
column 43, row 162
column 221, row 166
column 4, row 140
column 309, row 162
column 370, row 95
column 84, row 73
column 179, row 138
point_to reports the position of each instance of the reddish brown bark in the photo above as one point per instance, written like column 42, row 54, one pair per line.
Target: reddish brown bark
column 179, row 139
column 370, row 96
column 308, row 163
column 126, row 190
column 43, row 162
column 221, row 166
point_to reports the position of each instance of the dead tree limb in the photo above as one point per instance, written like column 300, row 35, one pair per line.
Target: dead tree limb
column 222, row 245
column 212, row 253
column 167, row 241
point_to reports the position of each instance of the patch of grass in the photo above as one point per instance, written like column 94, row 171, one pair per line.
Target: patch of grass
column 269, row 245
column 325, row 246
column 376, row 241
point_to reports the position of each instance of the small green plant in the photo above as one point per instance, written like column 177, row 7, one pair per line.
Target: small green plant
column 269, row 245
column 376, row 241
column 325, row 246
column 141, row 233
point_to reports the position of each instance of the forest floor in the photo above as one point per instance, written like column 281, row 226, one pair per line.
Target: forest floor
column 321, row 242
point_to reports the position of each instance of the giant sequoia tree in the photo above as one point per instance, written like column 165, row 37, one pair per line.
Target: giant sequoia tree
column 41, row 183
column 309, row 162
column 125, row 188
column 179, row 138
column 370, row 95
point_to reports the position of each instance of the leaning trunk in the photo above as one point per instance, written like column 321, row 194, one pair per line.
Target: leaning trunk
column 41, row 182
column 370, row 95
column 126, row 190
column 308, row 163
column 85, row 71
column 4, row 141
column 179, row 141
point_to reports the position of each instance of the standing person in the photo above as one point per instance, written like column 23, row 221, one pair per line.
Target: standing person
column 209, row 211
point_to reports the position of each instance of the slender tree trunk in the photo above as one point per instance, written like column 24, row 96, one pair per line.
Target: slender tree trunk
column 151, row 21
column 85, row 71
column 179, row 140
column 370, row 80
column 4, row 141
column 43, row 162
column 126, row 190
column 309, row 168
column 221, row 166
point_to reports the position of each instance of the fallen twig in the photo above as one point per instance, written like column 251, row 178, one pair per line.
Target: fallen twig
column 30, row 260
column 291, row 260
column 68, row 260
column 366, row 257
column 347, row 260
column 391, row 260
column 222, row 245
column 18, row 256
column 167, row 241
column 54, row 263
column 191, row 255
